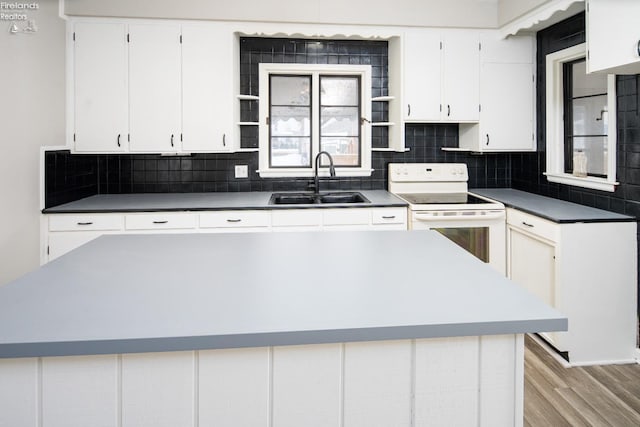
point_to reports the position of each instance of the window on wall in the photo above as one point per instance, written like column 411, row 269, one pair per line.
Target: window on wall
column 306, row 109
column 581, row 130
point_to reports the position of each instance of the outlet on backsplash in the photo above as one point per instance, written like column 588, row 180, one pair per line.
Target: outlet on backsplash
column 242, row 171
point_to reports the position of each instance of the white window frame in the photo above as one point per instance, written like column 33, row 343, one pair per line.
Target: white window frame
column 315, row 70
column 555, row 125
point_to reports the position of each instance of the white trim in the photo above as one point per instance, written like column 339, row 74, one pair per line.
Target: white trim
column 555, row 128
column 364, row 71
column 586, row 182
column 542, row 16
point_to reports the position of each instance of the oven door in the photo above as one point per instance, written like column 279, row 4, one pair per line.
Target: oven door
column 482, row 233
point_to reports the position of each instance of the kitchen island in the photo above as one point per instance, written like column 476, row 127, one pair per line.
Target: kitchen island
column 335, row 328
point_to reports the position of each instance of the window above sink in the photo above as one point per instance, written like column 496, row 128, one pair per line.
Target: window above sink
column 308, row 108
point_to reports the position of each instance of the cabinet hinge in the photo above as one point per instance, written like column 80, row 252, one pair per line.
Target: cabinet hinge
column 74, row 36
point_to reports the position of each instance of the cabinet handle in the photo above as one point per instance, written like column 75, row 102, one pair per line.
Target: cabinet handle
column 408, row 110
column 527, row 224
column 85, row 223
column 448, row 110
column 224, row 139
column 160, row 222
column 172, row 140
column 487, row 139
column 388, row 216
column 638, row 48
column 118, row 140
column 234, row 220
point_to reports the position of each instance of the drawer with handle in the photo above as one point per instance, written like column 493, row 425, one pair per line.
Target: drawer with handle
column 533, row 224
column 235, row 219
column 88, row 222
column 389, row 216
column 161, row 221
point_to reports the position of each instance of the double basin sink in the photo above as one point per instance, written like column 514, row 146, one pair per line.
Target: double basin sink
column 307, row 198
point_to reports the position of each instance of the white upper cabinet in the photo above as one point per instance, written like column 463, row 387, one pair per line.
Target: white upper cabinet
column 441, row 76
column 613, row 36
column 154, row 87
column 506, row 97
column 100, row 117
column 461, row 69
column 422, row 73
column 207, row 89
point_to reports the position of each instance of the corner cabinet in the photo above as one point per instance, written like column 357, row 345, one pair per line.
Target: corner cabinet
column 613, row 36
column 151, row 87
column 588, row 271
column 507, row 98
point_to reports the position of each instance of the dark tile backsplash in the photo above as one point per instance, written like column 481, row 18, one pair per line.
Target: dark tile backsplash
column 135, row 173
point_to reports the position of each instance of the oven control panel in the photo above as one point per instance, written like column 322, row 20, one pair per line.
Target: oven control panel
column 428, row 172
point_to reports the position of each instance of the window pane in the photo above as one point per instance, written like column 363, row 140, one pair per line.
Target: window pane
column 290, row 151
column 595, row 149
column 290, row 90
column 587, row 84
column 345, row 151
column 339, row 121
column 290, row 121
column 590, row 115
column 339, row 91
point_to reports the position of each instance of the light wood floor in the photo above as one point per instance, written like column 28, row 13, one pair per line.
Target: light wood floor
column 582, row 396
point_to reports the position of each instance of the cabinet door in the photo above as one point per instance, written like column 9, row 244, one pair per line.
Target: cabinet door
column 613, row 36
column 100, row 87
column 532, row 264
column 154, row 87
column 461, row 76
column 422, row 85
column 506, row 117
column 207, row 89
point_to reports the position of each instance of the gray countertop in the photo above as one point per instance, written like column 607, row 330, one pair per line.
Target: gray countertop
column 146, row 202
column 164, row 292
column 552, row 209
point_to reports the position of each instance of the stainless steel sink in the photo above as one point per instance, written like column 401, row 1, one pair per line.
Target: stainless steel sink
column 348, row 197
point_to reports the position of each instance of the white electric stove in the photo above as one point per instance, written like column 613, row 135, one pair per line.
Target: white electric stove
column 439, row 200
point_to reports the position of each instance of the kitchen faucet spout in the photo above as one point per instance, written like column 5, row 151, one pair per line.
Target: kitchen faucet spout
column 332, row 170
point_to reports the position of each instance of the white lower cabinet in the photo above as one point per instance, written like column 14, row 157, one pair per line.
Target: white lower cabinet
column 66, row 232
column 588, row 272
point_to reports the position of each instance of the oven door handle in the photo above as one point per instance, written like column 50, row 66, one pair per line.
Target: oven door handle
column 489, row 215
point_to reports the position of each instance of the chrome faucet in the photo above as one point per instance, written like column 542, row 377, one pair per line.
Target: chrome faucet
column 332, row 170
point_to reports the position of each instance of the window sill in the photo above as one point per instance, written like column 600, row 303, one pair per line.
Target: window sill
column 601, row 184
column 271, row 173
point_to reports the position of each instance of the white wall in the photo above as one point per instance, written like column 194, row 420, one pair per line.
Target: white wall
column 31, row 115
column 437, row 13
column 508, row 10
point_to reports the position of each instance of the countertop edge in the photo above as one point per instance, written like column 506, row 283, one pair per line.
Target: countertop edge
column 267, row 339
